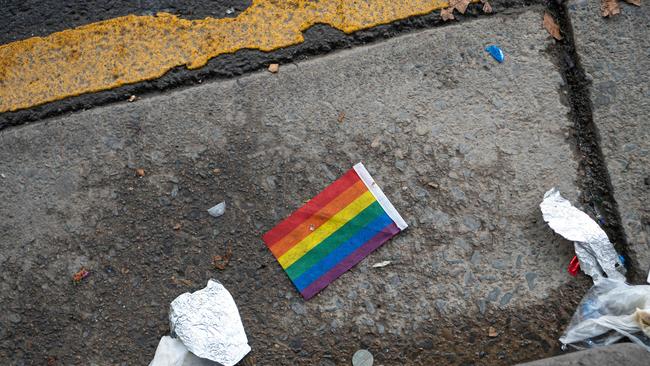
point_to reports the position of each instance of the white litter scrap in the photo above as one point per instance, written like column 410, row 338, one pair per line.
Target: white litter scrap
column 381, row 264
column 595, row 252
column 217, row 210
column 610, row 311
column 208, row 323
column 172, row 352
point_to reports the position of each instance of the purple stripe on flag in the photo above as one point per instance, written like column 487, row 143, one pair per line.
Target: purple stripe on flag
column 349, row 261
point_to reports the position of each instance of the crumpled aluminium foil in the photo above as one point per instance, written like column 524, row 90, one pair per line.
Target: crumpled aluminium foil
column 208, row 323
column 595, row 252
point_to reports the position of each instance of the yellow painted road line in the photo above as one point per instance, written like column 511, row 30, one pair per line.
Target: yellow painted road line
column 129, row 49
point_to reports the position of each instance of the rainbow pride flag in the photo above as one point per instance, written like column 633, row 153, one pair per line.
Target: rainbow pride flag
column 334, row 231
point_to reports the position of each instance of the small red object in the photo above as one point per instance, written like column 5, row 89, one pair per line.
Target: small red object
column 574, row 266
column 77, row 277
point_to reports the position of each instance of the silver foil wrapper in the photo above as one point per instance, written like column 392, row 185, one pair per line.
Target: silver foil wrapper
column 595, row 252
column 208, row 323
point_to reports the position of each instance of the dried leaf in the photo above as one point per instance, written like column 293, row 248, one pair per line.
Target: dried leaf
column 273, row 68
column 460, row 5
column 551, row 26
column 139, row 172
column 80, row 275
column 634, row 2
column 487, row 8
column 341, row 117
column 609, row 8
column 182, row 281
column 492, row 332
column 447, row 14
column 221, row 261
column 177, row 227
column 216, row 171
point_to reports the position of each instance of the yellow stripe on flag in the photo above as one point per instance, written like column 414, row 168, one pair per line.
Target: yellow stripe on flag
column 327, row 229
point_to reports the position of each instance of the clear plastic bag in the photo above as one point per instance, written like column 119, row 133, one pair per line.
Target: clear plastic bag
column 610, row 311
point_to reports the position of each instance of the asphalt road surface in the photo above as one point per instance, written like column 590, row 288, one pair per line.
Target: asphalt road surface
column 463, row 146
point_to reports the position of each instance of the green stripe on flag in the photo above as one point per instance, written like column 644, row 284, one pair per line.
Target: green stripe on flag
column 334, row 240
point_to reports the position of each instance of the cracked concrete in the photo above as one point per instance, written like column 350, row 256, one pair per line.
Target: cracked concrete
column 615, row 54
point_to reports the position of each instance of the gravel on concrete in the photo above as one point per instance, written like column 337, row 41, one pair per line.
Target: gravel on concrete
column 463, row 146
column 615, row 54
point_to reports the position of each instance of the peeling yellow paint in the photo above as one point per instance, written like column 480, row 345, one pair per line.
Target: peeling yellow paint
column 129, row 49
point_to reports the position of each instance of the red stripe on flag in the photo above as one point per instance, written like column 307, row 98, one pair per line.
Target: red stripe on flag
column 311, row 207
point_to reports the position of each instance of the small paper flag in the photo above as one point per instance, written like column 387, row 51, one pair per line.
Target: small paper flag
column 334, row 231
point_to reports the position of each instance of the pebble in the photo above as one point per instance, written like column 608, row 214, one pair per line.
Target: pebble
column 270, row 182
column 494, row 294
column 498, row 264
column 476, row 257
column 506, row 299
column 460, row 242
column 380, row 329
column 217, row 210
column 370, row 308
column 451, row 260
column 471, row 223
column 298, row 308
column 458, row 194
column 487, row 278
column 112, row 143
column 487, row 196
column 332, row 306
column 440, row 305
column 519, row 260
column 421, row 129
column 295, row 344
column 400, row 165
column 326, row 362
column 426, row 344
column 435, row 217
column 530, row 278
column 334, row 325
column 420, row 193
column 469, row 278
column 13, row 317
column 481, row 306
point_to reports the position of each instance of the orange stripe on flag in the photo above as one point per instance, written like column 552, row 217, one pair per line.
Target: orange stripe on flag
column 303, row 213
column 319, row 218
